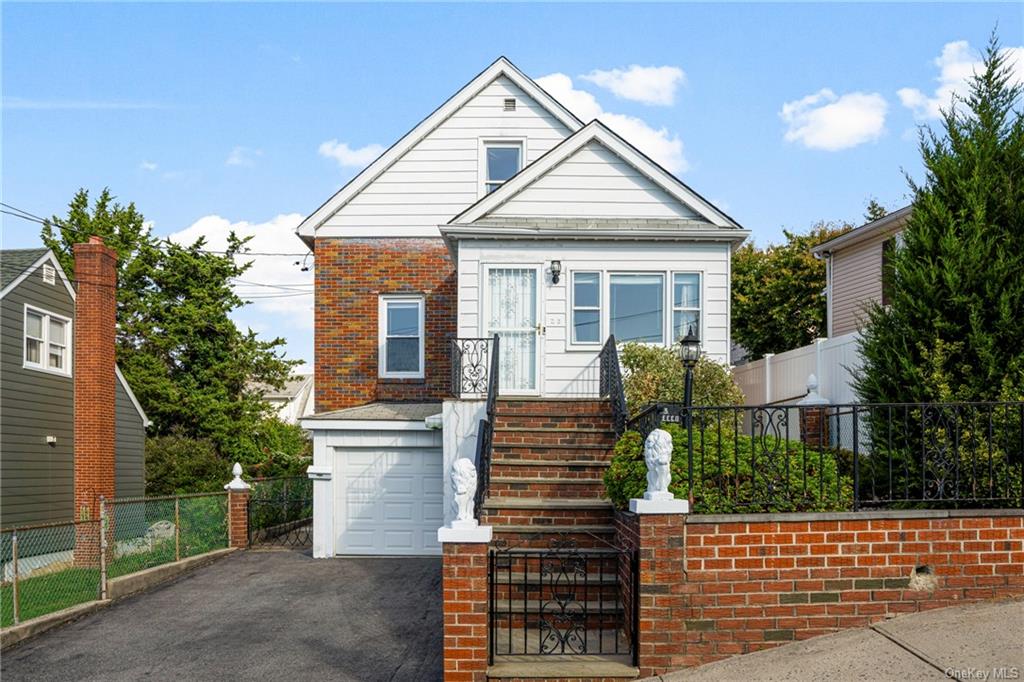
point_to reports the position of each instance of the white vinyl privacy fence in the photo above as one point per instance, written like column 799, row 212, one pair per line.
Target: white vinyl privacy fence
column 782, row 377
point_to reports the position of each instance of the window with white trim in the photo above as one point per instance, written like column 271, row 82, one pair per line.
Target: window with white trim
column 637, row 307
column 401, row 336
column 502, row 160
column 685, row 304
column 586, row 307
column 47, row 341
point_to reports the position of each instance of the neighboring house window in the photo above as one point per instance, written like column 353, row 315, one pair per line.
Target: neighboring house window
column 501, row 160
column 637, row 307
column 586, row 307
column 888, row 249
column 685, row 304
column 401, row 336
column 47, row 341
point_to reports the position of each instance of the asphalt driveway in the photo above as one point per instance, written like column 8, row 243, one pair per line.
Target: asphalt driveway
column 256, row 615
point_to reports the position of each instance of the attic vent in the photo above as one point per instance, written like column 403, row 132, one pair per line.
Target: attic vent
column 49, row 274
column 510, row 104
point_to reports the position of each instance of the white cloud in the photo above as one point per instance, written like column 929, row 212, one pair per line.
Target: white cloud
column 830, row 122
column 655, row 85
column 957, row 64
column 243, row 156
column 348, row 157
column 664, row 147
column 148, row 166
column 282, row 298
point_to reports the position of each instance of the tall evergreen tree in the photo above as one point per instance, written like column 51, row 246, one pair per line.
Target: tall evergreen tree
column 954, row 329
column 193, row 370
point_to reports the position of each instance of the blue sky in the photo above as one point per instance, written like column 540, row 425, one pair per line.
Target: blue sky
column 214, row 116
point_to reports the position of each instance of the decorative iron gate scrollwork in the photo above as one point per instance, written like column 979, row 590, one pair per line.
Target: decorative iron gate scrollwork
column 562, row 600
column 281, row 513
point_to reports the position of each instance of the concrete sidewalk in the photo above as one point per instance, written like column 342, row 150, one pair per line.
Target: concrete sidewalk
column 982, row 641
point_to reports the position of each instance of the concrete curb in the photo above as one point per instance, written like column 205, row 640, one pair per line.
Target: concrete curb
column 117, row 588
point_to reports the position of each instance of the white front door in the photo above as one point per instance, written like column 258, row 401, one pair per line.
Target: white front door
column 513, row 313
column 388, row 501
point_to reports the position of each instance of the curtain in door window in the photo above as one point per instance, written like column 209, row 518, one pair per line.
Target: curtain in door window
column 513, row 317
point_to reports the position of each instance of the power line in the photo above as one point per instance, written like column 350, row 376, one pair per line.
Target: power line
column 25, row 215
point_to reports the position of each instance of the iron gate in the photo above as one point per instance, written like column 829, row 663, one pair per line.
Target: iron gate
column 563, row 600
column 281, row 513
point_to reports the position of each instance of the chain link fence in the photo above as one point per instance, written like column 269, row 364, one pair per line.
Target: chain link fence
column 50, row 567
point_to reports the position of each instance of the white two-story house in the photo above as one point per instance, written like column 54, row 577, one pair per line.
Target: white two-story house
column 498, row 215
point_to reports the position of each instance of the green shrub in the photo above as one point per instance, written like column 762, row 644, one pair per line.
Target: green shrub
column 789, row 477
column 655, row 374
column 178, row 464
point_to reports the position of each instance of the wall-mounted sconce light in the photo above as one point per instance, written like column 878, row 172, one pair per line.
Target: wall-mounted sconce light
column 556, row 271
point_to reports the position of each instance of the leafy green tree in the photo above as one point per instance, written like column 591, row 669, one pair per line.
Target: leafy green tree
column 952, row 329
column 874, row 211
column 188, row 363
column 778, row 300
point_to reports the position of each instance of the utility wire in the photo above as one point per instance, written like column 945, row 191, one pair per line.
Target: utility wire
column 25, row 215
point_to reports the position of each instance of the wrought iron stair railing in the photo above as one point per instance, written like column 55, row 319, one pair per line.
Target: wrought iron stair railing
column 611, row 386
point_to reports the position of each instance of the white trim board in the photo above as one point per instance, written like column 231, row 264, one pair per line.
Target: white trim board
column 46, row 257
column 363, row 425
column 596, row 131
column 501, row 67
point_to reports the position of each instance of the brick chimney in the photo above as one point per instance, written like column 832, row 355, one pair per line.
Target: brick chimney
column 94, row 326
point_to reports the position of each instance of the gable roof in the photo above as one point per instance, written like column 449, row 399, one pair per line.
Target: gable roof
column 595, row 131
column 501, row 67
column 892, row 221
column 17, row 264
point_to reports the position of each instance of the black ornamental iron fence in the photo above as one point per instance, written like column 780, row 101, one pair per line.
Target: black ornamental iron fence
column 485, row 430
column 470, row 366
column 611, row 385
column 564, row 600
column 843, row 457
column 281, row 512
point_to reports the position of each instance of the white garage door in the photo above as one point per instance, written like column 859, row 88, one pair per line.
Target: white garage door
column 388, row 501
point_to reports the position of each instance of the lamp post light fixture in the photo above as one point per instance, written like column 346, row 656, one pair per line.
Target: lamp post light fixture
column 556, row 271
column 689, row 353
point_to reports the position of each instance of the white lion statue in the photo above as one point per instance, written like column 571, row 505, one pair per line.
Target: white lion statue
column 658, row 456
column 463, row 489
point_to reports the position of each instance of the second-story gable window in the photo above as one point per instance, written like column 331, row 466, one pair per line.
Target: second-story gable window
column 502, row 159
column 47, row 341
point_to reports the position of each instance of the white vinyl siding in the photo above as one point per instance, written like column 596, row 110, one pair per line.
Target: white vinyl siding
column 594, row 182
column 441, row 176
column 565, row 363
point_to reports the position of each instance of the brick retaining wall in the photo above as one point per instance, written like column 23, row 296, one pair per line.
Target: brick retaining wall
column 756, row 581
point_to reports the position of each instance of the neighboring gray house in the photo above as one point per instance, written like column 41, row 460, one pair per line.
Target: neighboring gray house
column 37, row 318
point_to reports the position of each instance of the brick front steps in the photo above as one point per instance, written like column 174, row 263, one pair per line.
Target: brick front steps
column 547, row 467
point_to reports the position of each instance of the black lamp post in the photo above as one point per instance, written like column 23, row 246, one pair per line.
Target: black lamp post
column 689, row 353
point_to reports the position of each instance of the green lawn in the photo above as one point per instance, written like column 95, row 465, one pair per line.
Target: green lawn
column 48, row 593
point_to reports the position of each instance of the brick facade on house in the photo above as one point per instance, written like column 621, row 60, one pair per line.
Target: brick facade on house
column 752, row 583
column 94, row 378
column 464, row 576
column 351, row 275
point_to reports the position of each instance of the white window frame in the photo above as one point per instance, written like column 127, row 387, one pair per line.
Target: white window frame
column 43, row 364
column 486, row 142
column 700, row 302
column 601, row 335
column 382, row 319
column 666, row 303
